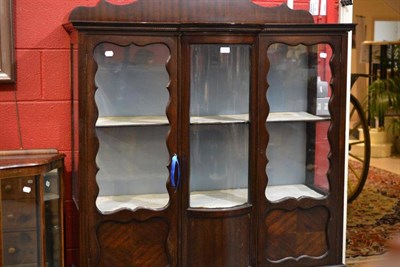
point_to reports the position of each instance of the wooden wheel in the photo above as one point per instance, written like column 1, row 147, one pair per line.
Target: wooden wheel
column 359, row 150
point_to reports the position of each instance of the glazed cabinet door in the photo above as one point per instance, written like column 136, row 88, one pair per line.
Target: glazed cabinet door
column 130, row 115
column 302, row 94
column 217, row 148
column 21, row 232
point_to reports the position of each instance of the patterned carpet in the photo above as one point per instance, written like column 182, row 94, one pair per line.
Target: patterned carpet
column 374, row 217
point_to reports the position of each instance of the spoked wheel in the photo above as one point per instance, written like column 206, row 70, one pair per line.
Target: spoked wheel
column 359, row 150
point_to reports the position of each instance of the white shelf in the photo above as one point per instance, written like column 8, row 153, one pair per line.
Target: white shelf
column 109, row 204
column 218, row 198
column 293, row 116
column 216, row 119
column 163, row 120
column 278, row 192
column 203, row 199
column 131, row 121
column 220, row 119
column 50, row 196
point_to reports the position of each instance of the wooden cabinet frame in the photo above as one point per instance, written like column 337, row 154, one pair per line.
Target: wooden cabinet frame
column 24, row 184
column 7, row 72
column 182, row 235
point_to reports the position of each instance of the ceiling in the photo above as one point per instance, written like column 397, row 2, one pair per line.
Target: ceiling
column 394, row 4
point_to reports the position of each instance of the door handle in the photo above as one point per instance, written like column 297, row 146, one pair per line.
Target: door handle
column 175, row 167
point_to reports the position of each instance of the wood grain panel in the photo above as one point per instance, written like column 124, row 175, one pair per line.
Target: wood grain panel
column 135, row 244
column 296, row 233
column 218, row 241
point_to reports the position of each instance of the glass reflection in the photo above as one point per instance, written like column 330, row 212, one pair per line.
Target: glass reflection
column 132, row 126
column 219, row 130
column 52, row 219
column 298, row 96
column 20, row 229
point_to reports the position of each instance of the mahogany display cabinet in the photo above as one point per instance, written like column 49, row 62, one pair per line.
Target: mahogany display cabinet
column 31, row 208
column 211, row 133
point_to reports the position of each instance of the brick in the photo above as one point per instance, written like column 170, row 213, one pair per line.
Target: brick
column 28, row 83
column 55, row 75
column 9, row 137
column 6, row 92
column 46, row 124
column 89, row 3
column 28, row 75
column 39, row 23
column 269, row 3
column 121, row 2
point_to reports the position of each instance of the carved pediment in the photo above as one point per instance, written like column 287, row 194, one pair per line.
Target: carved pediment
column 171, row 12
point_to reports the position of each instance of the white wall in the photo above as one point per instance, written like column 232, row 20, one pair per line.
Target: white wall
column 387, row 30
column 368, row 11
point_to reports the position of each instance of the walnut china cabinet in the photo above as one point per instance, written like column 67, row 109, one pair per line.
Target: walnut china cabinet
column 31, row 208
column 211, row 133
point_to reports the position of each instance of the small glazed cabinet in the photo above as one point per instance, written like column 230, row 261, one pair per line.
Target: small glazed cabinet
column 31, row 208
column 211, row 133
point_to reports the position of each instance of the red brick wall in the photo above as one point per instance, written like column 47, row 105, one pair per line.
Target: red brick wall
column 332, row 8
column 42, row 88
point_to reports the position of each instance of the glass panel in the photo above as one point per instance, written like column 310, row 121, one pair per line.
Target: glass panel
column 298, row 122
column 52, row 219
column 219, row 129
column 132, row 126
column 19, row 215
